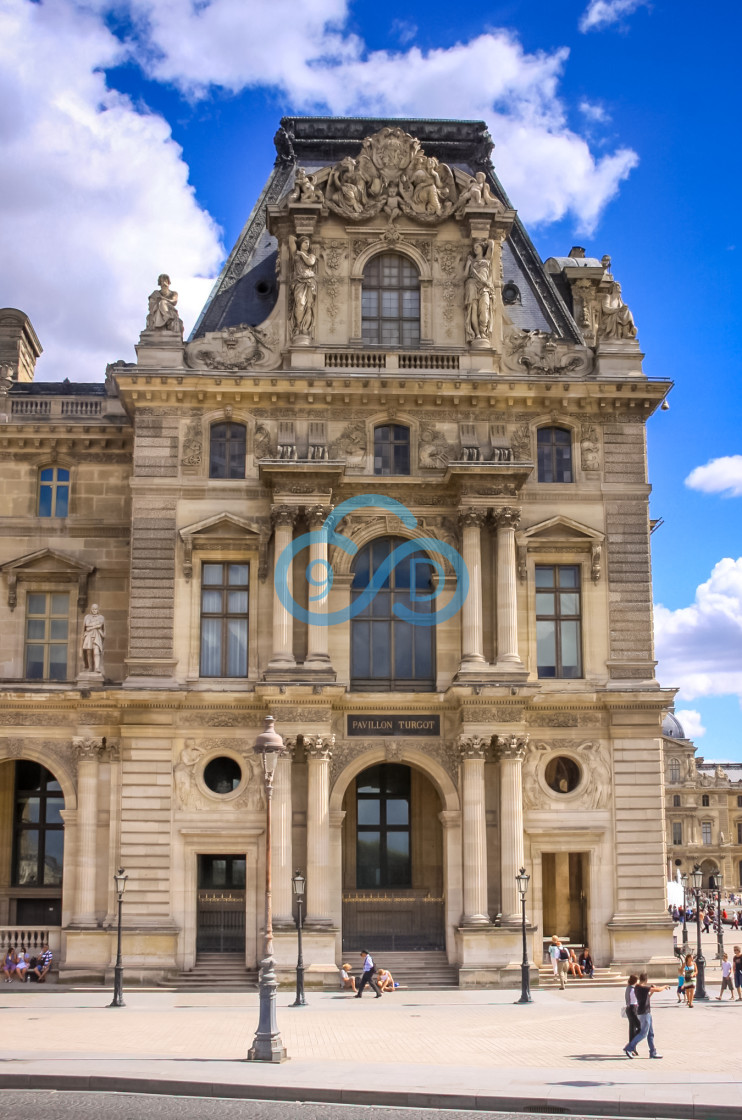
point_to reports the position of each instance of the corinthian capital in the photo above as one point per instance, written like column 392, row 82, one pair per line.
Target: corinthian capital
column 472, row 516
column 87, row 749
column 472, row 746
column 283, row 515
column 511, row 748
column 319, row 746
column 506, row 517
column 317, row 515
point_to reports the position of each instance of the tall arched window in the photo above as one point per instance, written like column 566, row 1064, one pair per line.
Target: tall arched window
column 388, row 652
column 38, row 829
column 391, row 449
column 554, row 455
column 674, row 770
column 227, row 450
column 54, row 492
column 390, row 301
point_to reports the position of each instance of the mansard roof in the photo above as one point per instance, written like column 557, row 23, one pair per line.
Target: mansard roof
column 246, row 291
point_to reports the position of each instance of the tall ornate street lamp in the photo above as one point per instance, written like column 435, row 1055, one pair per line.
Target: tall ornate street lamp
column 684, row 884
column 268, row 1045
column 719, row 922
column 299, row 883
column 523, row 879
column 118, row 973
column 696, row 878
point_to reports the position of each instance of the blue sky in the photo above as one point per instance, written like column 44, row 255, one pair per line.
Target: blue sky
column 135, row 135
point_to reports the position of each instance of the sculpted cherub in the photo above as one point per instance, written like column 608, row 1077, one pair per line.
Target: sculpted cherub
column 304, row 189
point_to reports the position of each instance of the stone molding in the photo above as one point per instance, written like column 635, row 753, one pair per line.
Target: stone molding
column 472, row 746
column 506, row 517
column 318, row 747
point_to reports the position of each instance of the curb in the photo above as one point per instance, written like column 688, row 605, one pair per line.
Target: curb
column 565, row 1106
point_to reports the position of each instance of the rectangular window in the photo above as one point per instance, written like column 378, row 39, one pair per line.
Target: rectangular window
column 383, row 827
column 558, row 621
column 677, row 832
column 54, row 492
column 47, row 621
column 739, row 832
column 224, row 591
column 706, row 832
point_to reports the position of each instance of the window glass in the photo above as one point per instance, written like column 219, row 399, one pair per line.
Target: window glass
column 677, row 832
column 46, row 636
column 224, row 620
column 391, row 449
column 383, row 827
column 390, row 302
column 227, row 450
column 554, row 447
column 558, row 621
column 54, row 491
column 38, row 831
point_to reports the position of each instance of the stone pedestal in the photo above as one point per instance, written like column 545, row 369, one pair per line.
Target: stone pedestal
column 490, row 957
column 318, row 949
column 89, row 678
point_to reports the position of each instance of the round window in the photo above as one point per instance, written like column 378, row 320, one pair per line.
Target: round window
column 222, row 775
column 562, row 774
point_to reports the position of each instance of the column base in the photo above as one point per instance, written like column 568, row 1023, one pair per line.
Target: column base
column 513, row 670
column 317, row 668
column 476, row 921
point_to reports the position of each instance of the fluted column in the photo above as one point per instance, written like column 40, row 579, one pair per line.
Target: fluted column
column 474, row 830
column 507, row 519
column 472, row 655
column 319, row 871
column 511, row 750
column 281, row 849
column 317, row 638
column 283, row 518
column 88, row 751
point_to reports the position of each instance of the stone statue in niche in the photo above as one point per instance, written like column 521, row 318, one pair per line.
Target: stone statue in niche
column 163, row 314
column 93, row 636
column 303, row 287
column 479, row 290
column 616, row 321
column 477, row 193
column 304, row 189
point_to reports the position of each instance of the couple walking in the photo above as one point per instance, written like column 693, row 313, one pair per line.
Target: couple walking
column 638, row 995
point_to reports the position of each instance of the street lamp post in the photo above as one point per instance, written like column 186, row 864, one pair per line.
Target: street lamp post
column 697, row 882
column 719, row 921
column 299, row 883
column 118, row 973
column 268, row 1045
column 684, row 883
column 523, row 879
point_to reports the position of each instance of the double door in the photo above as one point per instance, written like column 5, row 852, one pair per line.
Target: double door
column 221, row 904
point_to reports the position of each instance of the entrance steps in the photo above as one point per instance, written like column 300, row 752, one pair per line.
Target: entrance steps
column 602, row 978
column 216, row 971
column 425, row 970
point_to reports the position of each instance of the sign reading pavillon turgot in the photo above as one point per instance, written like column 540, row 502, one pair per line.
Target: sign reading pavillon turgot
column 394, row 725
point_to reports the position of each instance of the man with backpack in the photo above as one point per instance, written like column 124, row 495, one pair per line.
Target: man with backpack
column 562, row 964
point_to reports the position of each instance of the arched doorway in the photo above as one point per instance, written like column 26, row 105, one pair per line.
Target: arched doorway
column 710, row 869
column 392, row 861
column 31, row 844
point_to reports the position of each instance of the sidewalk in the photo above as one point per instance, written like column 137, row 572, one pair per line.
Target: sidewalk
column 447, row 1049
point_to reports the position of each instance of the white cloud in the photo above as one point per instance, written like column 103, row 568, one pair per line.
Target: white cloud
column 603, row 13
column 699, row 647
column 593, row 112
column 95, row 194
column 718, row 476
column 692, row 723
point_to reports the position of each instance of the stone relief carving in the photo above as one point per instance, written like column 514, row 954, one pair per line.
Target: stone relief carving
column 488, row 713
column 589, row 447
column 552, row 719
column 93, row 637
column 192, row 444
column 303, row 290
column 63, row 756
column 510, row 747
column 264, row 446
column 477, row 193
column 434, row 449
column 334, row 253
column 318, row 746
column 350, row 445
column 241, row 347
column 479, row 291
column 87, row 748
column 472, row 746
column 594, row 792
column 31, row 719
column 304, row 189
column 537, row 352
column 163, row 313
column 521, row 443
column 616, row 322
column 186, row 787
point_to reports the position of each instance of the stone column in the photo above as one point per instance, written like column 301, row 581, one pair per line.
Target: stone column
column 474, row 830
column 472, row 656
column 283, row 518
column 281, row 850
column 88, row 751
column 319, row 871
column 511, row 750
column 507, row 519
column 317, row 638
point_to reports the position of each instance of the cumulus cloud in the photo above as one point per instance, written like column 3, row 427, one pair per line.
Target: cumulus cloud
column 692, row 723
column 603, row 13
column 699, row 647
column 718, row 476
column 592, row 111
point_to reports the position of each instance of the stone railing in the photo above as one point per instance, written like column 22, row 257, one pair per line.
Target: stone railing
column 50, row 408
column 31, row 938
column 379, row 359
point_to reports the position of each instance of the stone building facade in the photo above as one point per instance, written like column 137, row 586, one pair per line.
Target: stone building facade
column 384, row 360
column 703, row 809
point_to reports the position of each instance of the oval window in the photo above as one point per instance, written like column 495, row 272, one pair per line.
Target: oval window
column 562, row 774
column 222, row 775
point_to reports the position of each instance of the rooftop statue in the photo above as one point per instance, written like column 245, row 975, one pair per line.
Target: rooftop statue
column 304, row 189
column 163, row 314
column 616, row 320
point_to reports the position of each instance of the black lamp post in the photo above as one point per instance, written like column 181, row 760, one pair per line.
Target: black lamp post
column 523, row 879
column 684, row 883
column 299, row 883
column 118, row 973
column 719, row 921
column 697, row 882
column 268, row 1045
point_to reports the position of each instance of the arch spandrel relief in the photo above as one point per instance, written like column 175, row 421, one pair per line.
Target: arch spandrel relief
column 192, row 789
column 591, row 790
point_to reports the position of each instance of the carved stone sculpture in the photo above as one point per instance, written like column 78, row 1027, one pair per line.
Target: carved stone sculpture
column 479, row 291
column 616, row 321
column 435, row 450
column 537, row 352
column 350, row 445
column 93, row 636
column 242, row 347
column 477, row 193
column 163, row 314
column 304, row 189
column 303, row 288
column 589, row 448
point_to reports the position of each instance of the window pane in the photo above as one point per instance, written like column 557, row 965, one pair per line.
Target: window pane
column 570, row 635
column 27, row 858
column 211, row 647
column 390, row 332
column 544, row 577
column 369, row 811
column 370, row 304
column 368, row 862
column 237, row 647
column 423, row 647
column 58, row 629
column 370, row 333
column 546, row 649
column 396, row 779
column 212, row 573
column 54, row 806
column 568, row 577
column 370, row 780
column 211, row 602
column 53, row 857
column 45, row 501
column 238, row 575
column 236, row 602
column 36, row 629
column 361, row 651
column 35, row 663
column 381, row 605
column 27, row 809
column 401, row 459
column 544, row 603
column 397, row 811
column 47, row 474
column 411, row 304
column 60, row 605
column 398, row 859
column 390, row 305
column 62, row 501
column 58, row 663
column 36, row 604
column 381, row 663
column 569, row 603
column 63, row 475
column 29, row 775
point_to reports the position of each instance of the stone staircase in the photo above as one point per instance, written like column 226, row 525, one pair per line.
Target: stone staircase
column 602, row 978
column 425, row 970
column 216, row 971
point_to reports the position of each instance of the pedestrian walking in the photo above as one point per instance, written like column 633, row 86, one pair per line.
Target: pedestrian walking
column 737, row 969
column 632, row 1013
column 689, row 979
column 368, row 977
column 644, row 992
column 726, row 977
column 562, row 965
column 554, row 953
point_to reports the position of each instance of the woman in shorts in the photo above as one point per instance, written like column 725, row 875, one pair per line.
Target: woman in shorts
column 689, row 979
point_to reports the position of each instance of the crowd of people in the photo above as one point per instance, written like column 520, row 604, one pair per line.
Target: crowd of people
column 379, row 980
column 18, row 964
column 731, row 913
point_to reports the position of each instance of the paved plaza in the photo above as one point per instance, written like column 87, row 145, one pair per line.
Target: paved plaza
column 473, row 1050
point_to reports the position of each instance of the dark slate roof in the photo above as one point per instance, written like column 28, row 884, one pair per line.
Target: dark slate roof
column 58, row 389
column 246, row 290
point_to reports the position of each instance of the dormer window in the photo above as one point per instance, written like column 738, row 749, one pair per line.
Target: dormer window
column 390, row 301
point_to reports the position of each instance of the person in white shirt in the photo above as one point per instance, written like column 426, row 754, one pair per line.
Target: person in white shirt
column 554, row 953
column 368, row 977
column 726, row 977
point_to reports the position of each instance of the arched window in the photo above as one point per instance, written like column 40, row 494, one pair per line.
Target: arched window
column 227, row 450
column 390, row 302
column 54, row 492
column 38, row 831
column 391, row 449
column 554, row 455
column 674, row 770
column 388, row 652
